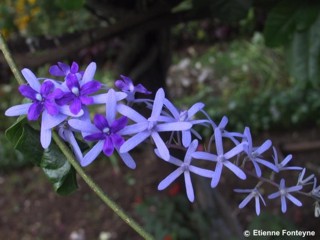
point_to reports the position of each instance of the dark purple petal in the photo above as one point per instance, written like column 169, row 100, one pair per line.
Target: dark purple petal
column 28, row 92
column 100, row 121
column 51, row 107
column 56, row 71
column 72, row 81
column 86, row 100
column 121, row 85
column 65, row 99
column 95, row 137
column 46, row 88
column 34, row 111
column 75, row 106
column 117, row 140
column 90, row 87
column 108, row 147
column 56, row 94
column 141, row 89
column 64, row 67
column 119, row 124
column 74, row 67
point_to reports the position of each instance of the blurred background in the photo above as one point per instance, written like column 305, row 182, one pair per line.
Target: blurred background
column 257, row 62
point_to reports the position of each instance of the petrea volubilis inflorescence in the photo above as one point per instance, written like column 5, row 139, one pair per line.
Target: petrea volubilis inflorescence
column 61, row 103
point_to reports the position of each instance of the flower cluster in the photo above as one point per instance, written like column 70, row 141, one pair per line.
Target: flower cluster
column 62, row 103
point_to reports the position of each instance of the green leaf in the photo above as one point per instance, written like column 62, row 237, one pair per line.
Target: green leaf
column 303, row 55
column 52, row 161
column 288, row 17
column 225, row 10
column 59, row 171
column 26, row 140
column 70, row 4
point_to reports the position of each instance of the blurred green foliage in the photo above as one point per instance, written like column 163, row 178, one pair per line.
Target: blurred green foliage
column 250, row 84
column 45, row 18
column 173, row 218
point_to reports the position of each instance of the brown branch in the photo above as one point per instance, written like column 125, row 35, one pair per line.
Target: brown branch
column 153, row 19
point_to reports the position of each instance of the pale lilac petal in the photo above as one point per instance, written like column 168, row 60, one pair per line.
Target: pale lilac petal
column 186, row 138
column 286, row 160
column 172, row 108
column 195, row 108
column 48, row 121
column 264, row 147
column 204, row 156
column 89, row 72
column 157, row 105
column 128, row 160
column 161, row 146
column 201, row 172
column 173, row 126
column 92, row 154
column 294, row 200
column 130, row 113
column 84, row 126
column 170, row 178
column 135, row 128
column 172, row 159
column 218, row 139
column 31, row 79
column 246, row 201
column 267, row 164
column 274, row 195
column 189, row 187
column 191, row 149
column 45, row 137
column 257, row 202
column 294, row 188
column 74, row 144
column 18, row 110
column 134, row 141
column 234, row 151
column 223, row 123
column 235, row 169
column 217, row 174
column 283, row 204
column 111, row 105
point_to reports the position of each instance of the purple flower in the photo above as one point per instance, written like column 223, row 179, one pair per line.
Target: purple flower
column 255, row 153
column 304, row 181
column 78, row 91
column 105, row 131
column 284, row 193
column 184, row 167
column 253, row 193
column 221, row 159
column 184, row 116
column 64, row 70
column 145, row 128
column 316, row 189
column 282, row 166
column 42, row 97
column 222, row 126
column 126, row 85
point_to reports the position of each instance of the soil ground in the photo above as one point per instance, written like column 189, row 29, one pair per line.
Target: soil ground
column 30, row 209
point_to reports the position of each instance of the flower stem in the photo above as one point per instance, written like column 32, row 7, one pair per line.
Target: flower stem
column 116, row 208
column 7, row 55
column 66, row 151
